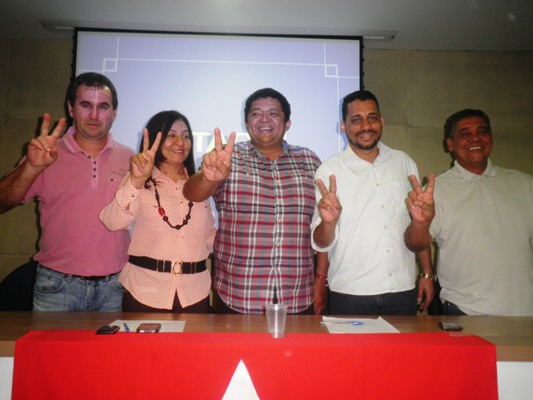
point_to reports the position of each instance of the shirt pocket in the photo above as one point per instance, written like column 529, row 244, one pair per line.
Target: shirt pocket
column 399, row 192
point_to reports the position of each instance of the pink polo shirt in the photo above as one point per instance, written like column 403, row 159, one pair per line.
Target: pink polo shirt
column 71, row 193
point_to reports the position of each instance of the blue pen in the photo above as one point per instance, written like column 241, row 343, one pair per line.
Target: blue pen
column 354, row 323
column 126, row 327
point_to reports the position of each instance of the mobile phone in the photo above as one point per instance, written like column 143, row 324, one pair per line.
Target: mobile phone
column 107, row 329
column 148, row 328
column 450, row 326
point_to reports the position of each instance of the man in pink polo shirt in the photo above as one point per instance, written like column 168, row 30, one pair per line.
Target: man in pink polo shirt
column 73, row 178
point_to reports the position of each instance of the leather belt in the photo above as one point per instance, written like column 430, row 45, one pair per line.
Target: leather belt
column 91, row 278
column 176, row 267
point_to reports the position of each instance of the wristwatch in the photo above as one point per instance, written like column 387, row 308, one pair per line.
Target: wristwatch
column 425, row 275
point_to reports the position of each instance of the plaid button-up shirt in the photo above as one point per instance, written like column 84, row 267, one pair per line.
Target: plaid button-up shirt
column 263, row 244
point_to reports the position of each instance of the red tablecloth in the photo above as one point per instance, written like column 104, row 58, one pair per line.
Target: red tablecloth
column 83, row 365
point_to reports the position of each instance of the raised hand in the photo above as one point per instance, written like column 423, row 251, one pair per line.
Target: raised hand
column 216, row 164
column 141, row 164
column 42, row 151
column 329, row 207
column 420, row 202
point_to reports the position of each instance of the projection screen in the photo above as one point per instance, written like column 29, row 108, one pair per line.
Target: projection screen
column 207, row 77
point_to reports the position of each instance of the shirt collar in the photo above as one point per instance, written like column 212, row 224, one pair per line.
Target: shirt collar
column 285, row 149
column 73, row 147
column 466, row 174
column 384, row 154
column 157, row 174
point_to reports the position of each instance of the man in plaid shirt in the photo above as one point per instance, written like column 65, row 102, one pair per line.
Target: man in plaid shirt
column 264, row 195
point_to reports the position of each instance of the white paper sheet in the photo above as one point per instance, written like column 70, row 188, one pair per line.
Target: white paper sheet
column 166, row 326
column 358, row 325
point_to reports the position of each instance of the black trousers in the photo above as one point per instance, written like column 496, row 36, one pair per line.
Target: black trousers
column 130, row 304
column 401, row 303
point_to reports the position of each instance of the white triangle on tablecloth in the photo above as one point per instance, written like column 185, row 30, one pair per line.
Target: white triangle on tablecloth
column 241, row 386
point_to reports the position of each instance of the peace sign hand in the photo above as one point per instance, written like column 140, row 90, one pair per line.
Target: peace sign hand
column 216, row 165
column 329, row 207
column 42, row 151
column 141, row 164
column 420, row 203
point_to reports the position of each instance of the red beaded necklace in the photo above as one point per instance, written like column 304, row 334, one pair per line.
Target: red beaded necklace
column 163, row 213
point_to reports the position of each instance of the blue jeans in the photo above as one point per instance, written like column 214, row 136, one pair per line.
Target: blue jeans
column 401, row 303
column 55, row 291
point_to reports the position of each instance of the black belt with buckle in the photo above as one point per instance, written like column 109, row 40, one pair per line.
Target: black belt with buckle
column 177, row 267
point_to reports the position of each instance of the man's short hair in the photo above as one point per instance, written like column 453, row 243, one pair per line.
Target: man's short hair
column 361, row 95
column 264, row 93
column 93, row 80
column 453, row 120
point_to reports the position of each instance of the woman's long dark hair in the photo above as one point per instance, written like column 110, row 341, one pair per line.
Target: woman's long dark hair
column 162, row 122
